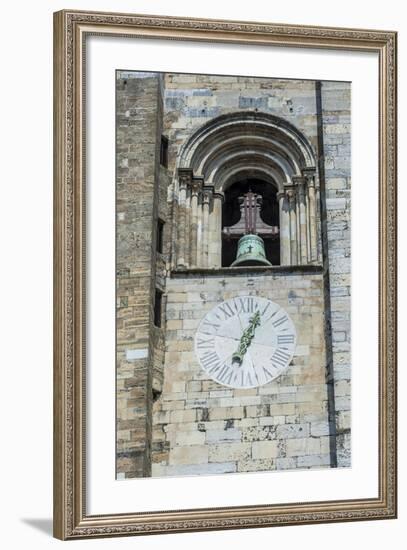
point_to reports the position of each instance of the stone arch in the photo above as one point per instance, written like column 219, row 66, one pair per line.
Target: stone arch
column 246, row 143
column 275, row 142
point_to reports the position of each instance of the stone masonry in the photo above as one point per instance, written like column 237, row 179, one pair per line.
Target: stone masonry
column 203, row 427
column 171, row 418
column 139, row 343
column 336, row 142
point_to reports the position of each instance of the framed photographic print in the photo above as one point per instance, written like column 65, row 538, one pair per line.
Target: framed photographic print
column 225, row 274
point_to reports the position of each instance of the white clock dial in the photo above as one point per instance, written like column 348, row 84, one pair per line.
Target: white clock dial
column 245, row 342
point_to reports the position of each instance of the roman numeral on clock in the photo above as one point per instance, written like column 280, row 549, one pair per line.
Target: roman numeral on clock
column 201, row 343
column 251, row 305
column 268, row 375
column 210, row 361
column 246, row 305
column 280, row 358
column 285, row 339
column 213, row 326
column 280, row 321
column 225, row 374
column 244, row 378
column 227, row 310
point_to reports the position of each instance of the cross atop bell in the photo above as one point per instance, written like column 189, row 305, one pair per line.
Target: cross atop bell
column 250, row 248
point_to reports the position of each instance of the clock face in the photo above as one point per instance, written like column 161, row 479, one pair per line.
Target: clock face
column 245, row 342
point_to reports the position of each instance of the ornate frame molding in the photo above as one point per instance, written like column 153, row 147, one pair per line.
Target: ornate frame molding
column 70, row 518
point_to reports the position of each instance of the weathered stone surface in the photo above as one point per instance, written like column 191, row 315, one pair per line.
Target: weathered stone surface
column 139, row 346
column 195, row 425
column 265, row 449
column 194, row 454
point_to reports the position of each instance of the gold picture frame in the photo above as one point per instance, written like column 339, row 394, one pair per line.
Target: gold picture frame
column 70, row 31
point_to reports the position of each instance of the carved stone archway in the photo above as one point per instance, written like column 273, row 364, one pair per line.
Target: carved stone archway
column 241, row 145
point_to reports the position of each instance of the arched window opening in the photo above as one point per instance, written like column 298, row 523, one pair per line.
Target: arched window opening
column 250, row 206
column 228, row 165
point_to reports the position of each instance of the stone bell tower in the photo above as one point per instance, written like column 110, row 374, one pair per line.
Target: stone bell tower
column 242, row 202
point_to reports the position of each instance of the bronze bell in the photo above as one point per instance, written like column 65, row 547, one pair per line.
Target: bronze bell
column 250, row 251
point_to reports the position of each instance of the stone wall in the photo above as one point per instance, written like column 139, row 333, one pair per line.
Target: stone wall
column 203, row 427
column 137, row 183
column 168, row 412
column 193, row 100
column 336, row 145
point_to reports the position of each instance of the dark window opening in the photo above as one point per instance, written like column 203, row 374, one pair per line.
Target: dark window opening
column 160, row 236
column 158, row 308
column 156, row 394
column 164, row 152
column 233, row 226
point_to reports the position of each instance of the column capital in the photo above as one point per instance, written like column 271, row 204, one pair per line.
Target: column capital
column 290, row 191
column 309, row 171
column 311, row 181
column 184, row 176
column 219, row 196
column 207, row 194
column 298, row 180
column 196, row 186
column 309, row 175
column 301, row 189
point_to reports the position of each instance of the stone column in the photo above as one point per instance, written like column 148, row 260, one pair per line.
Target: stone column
column 303, row 256
column 206, row 198
column 215, row 232
column 297, row 217
column 312, row 217
column 291, row 192
column 188, row 226
column 318, row 221
column 308, row 227
column 285, row 247
column 199, row 232
column 193, row 236
column 184, row 180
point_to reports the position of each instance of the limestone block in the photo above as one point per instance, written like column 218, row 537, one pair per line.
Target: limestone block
column 259, row 433
column 343, row 420
column 159, row 470
column 282, row 409
column 218, row 436
column 303, row 446
column 342, row 403
column 262, row 465
column 286, row 463
column 319, row 429
column 227, row 452
column 226, row 412
column 190, row 438
column 246, row 422
column 288, row 431
column 194, row 454
column 183, row 415
column 312, row 461
column 271, row 420
column 265, row 449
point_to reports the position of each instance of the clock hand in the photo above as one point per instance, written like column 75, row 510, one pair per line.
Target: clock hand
column 246, row 339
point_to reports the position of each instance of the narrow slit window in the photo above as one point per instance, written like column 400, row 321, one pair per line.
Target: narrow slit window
column 160, row 236
column 164, row 152
column 158, row 308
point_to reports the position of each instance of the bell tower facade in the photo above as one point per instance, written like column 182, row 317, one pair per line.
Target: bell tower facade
column 250, row 362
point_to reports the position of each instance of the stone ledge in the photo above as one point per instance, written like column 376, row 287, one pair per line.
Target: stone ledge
column 243, row 270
